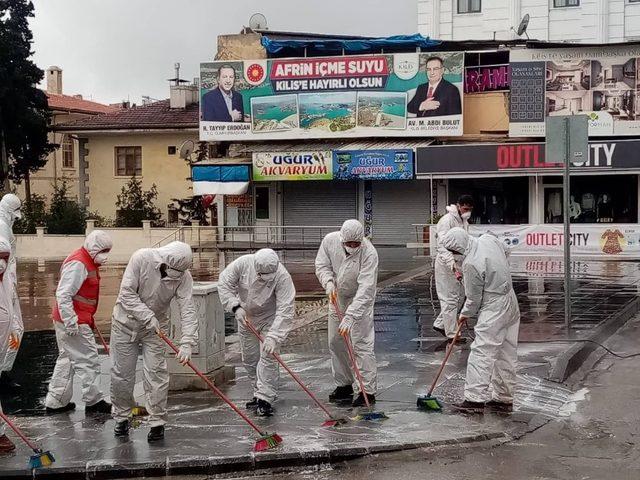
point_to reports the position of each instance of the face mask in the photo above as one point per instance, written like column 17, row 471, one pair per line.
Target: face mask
column 351, row 250
column 101, row 258
column 17, row 214
column 173, row 274
column 466, row 215
column 267, row 277
column 3, row 265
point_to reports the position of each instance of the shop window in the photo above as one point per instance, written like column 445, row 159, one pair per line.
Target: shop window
column 566, row 3
column 496, row 200
column 469, row 6
column 67, row 153
column 128, row 161
column 600, row 199
column 262, row 203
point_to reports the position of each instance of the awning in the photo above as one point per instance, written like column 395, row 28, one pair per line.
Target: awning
column 220, row 179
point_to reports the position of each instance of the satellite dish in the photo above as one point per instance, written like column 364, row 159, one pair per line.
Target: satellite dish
column 186, row 149
column 258, row 22
column 522, row 28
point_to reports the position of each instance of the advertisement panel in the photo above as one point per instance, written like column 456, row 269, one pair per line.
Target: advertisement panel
column 521, row 157
column 397, row 95
column 373, row 164
column 600, row 82
column 615, row 240
column 270, row 167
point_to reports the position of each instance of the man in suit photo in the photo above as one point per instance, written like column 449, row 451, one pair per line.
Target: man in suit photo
column 223, row 104
column 438, row 97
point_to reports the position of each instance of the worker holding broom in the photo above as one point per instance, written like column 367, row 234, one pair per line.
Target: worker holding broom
column 257, row 288
column 491, row 367
column 77, row 297
column 7, row 296
column 347, row 267
column 153, row 277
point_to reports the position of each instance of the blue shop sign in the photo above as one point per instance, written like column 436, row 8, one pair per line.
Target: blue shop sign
column 373, row 164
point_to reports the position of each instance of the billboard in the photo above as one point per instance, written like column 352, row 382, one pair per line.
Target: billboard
column 600, row 82
column 270, row 167
column 373, row 164
column 408, row 94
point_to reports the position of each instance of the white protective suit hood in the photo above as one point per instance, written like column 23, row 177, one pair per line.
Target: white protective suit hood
column 266, row 261
column 351, row 231
column 5, row 247
column 10, row 208
column 177, row 255
column 96, row 242
column 457, row 240
column 453, row 210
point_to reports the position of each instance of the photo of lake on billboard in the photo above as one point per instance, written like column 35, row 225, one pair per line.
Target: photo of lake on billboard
column 335, row 111
column 382, row 109
column 274, row 113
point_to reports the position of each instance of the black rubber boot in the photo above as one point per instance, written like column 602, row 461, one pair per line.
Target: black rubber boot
column 155, row 433
column 7, row 382
column 470, row 407
column 501, row 407
column 100, row 407
column 252, row 404
column 121, row 429
column 67, row 408
column 342, row 394
column 264, row 409
column 359, row 401
column 440, row 331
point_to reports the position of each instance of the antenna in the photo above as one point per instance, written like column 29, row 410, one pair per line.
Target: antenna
column 186, row 149
column 522, row 28
column 258, row 22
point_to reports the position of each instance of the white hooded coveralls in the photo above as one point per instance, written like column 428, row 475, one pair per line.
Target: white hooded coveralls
column 77, row 354
column 491, row 368
column 144, row 295
column 450, row 291
column 9, row 213
column 7, row 297
column 270, row 307
column 355, row 278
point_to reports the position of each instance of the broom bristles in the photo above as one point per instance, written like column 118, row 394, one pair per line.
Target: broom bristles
column 334, row 422
column 267, row 442
column 41, row 459
column 429, row 403
column 372, row 416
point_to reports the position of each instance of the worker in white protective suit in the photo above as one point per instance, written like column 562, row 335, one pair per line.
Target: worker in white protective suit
column 347, row 266
column 491, row 367
column 6, row 314
column 153, row 277
column 77, row 299
column 10, row 206
column 447, row 271
column 258, row 289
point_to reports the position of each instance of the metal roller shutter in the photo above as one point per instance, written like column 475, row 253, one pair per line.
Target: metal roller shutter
column 396, row 206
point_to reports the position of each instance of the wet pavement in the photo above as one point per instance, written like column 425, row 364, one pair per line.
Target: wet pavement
column 204, row 432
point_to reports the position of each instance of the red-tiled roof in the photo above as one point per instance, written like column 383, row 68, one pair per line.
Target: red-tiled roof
column 68, row 103
column 157, row 115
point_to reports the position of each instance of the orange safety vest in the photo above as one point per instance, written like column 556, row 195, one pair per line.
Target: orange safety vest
column 85, row 301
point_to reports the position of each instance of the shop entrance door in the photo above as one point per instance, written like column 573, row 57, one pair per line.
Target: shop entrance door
column 264, row 212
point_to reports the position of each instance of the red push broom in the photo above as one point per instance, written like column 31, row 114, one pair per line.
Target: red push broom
column 266, row 441
column 331, row 421
column 40, row 459
column 370, row 415
column 138, row 410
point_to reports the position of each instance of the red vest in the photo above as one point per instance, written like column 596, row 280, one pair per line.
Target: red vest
column 85, row 302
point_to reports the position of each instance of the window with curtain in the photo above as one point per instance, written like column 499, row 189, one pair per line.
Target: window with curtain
column 67, row 153
column 469, row 6
column 566, row 3
column 128, row 161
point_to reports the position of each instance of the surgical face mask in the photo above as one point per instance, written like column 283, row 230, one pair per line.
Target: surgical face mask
column 168, row 273
column 16, row 214
column 267, row 277
column 101, row 258
column 351, row 250
column 466, row 215
column 3, row 265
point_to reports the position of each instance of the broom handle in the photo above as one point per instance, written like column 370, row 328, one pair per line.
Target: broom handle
column 18, row 432
column 352, row 356
column 102, row 340
column 446, row 357
column 210, row 384
column 253, row 329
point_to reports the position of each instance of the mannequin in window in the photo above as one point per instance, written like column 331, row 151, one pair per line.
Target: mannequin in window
column 554, row 207
column 574, row 209
column 588, row 204
column 496, row 212
column 604, row 210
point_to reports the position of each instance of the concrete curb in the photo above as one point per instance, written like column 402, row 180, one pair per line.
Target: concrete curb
column 570, row 361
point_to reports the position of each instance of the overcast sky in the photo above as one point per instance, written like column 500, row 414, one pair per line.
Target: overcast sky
column 111, row 50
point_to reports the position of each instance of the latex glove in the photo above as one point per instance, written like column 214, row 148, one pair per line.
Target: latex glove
column 462, row 319
column 153, row 324
column 14, row 341
column 184, row 354
column 331, row 289
column 345, row 325
column 458, row 274
column 269, row 345
column 71, row 329
column 241, row 315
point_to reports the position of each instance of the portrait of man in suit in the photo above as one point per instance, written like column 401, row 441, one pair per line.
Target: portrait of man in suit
column 223, row 104
column 438, row 97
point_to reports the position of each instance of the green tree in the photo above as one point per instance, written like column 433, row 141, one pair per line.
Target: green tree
column 24, row 113
column 33, row 215
column 66, row 216
column 135, row 204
